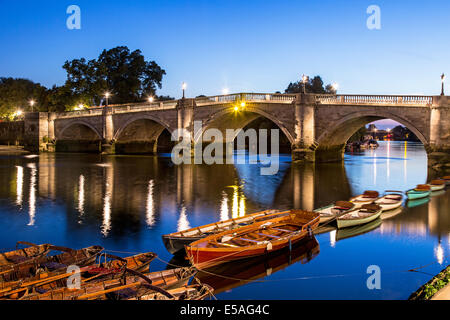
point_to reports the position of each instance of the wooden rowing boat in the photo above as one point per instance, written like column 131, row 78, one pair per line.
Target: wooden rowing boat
column 437, row 185
column 365, row 214
column 176, row 242
column 253, row 240
column 331, row 211
column 51, row 280
column 367, row 197
column 23, row 255
column 42, row 264
column 390, row 201
column 447, row 180
column 228, row 276
column 133, row 285
column 421, row 191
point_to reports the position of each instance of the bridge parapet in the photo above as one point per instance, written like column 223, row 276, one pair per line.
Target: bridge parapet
column 250, row 97
column 387, row 100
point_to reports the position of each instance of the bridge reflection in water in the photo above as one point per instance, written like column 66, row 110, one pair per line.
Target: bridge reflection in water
column 126, row 203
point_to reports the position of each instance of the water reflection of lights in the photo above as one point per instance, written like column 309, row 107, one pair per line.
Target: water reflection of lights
column 224, row 207
column 388, row 163
column 32, row 199
column 106, row 225
column 183, row 222
column 81, row 195
column 150, row 208
column 439, row 253
column 238, row 205
column 19, row 186
column 333, row 238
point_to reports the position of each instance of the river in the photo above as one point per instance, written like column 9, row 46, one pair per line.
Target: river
column 125, row 203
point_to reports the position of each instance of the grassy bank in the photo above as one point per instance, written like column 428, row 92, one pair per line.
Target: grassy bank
column 429, row 289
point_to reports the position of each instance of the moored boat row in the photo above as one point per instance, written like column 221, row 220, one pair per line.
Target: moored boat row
column 45, row 272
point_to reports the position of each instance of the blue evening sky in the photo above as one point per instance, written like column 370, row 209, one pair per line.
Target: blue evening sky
column 242, row 45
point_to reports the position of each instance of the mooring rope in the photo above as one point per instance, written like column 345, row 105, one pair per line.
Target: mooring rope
column 285, row 279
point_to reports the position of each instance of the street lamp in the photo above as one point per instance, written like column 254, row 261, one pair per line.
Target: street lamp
column 107, row 94
column 183, row 87
column 32, row 102
column 335, row 86
column 225, row 91
column 150, row 99
column 442, row 80
column 304, row 80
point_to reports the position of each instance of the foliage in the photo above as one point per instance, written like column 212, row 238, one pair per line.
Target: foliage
column 313, row 85
column 126, row 75
column 428, row 290
column 16, row 93
column 358, row 135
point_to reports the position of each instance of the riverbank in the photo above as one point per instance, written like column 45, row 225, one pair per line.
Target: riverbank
column 12, row 150
column 438, row 288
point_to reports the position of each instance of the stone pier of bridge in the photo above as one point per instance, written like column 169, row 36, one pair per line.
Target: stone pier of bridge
column 316, row 126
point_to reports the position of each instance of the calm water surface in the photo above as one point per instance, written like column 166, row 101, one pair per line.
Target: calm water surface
column 126, row 203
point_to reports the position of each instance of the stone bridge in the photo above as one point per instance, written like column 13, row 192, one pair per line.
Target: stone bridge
column 316, row 126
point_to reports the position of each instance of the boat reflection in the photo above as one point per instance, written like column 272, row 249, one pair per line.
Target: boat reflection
column 357, row 230
column 391, row 213
column 417, row 202
column 233, row 274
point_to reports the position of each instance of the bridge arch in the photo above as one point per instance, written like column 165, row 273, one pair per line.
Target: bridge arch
column 333, row 139
column 228, row 118
column 78, row 136
column 141, row 134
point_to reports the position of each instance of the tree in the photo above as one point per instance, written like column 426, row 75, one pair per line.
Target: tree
column 314, row 85
column 126, row 75
column 16, row 93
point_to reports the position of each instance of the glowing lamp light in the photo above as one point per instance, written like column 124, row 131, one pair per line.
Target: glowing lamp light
column 18, row 113
column 150, row 99
column 304, row 78
column 107, row 94
column 388, row 130
column 243, row 104
column 183, row 86
column 32, row 102
column 335, row 86
column 225, row 91
column 236, row 108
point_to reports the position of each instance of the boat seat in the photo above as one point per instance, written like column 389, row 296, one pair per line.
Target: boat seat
column 248, row 240
column 268, row 235
column 282, row 230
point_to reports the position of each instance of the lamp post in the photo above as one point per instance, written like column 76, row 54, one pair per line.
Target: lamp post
column 183, row 87
column 32, row 102
column 304, row 80
column 107, row 94
column 442, row 84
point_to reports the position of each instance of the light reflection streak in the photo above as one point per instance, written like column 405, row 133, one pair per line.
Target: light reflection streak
column 439, row 253
column 81, row 195
column 183, row 222
column 19, row 186
column 388, row 171
column 333, row 238
column 106, row 224
column 150, row 208
column 224, row 207
column 238, row 206
column 32, row 198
